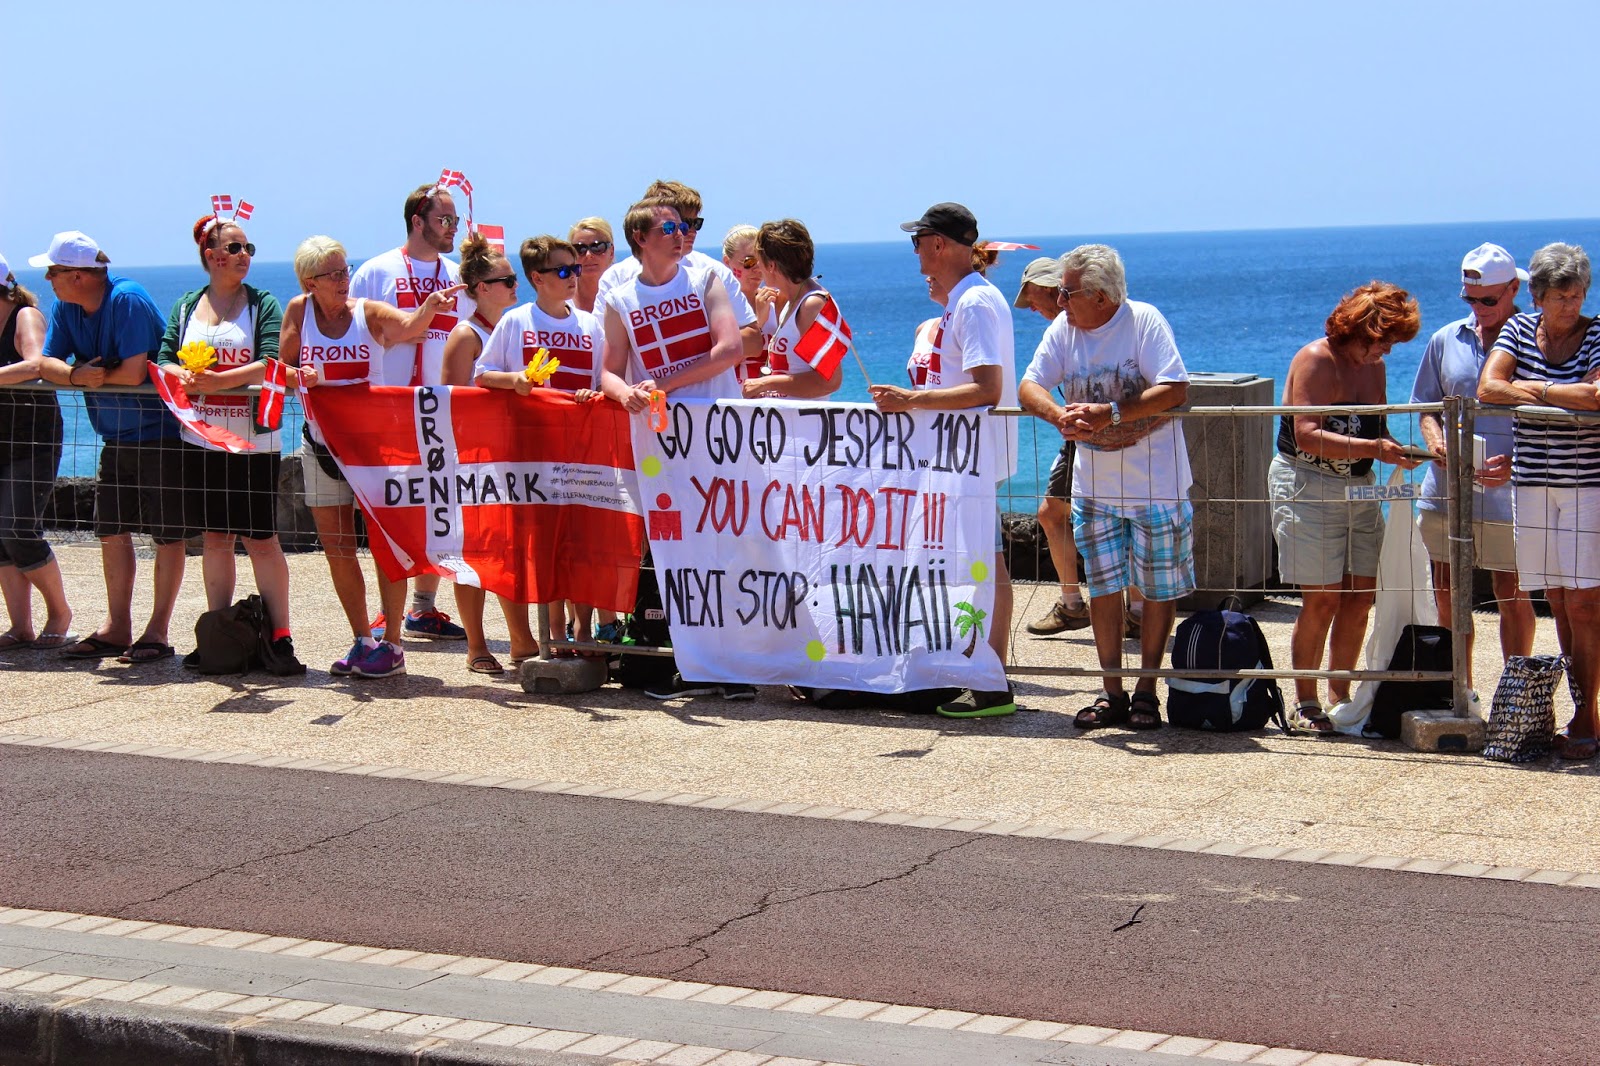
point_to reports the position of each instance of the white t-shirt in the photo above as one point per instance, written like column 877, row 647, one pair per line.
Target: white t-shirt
column 397, row 279
column 1118, row 362
column 669, row 331
column 232, row 340
column 578, row 341
column 628, row 269
column 974, row 331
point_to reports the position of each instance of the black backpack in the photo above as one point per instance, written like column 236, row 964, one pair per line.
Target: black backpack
column 1222, row 639
column 1419, row 648
column 646, row 626
column 238, row 639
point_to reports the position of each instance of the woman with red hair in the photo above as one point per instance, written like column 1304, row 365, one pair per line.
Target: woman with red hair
column 1328, row 545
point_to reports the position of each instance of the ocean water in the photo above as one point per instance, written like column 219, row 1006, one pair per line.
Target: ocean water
column 1239, row 302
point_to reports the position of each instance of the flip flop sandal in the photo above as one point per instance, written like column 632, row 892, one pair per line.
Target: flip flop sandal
column 54, row 641
column 12, row 642
column 1577, row 749
column 93, row 648
column 485, row 664
column 1105, row 710
column 145, row 651
column 1144, row 711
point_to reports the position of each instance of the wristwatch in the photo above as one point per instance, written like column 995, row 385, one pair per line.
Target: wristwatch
column 1116, row 414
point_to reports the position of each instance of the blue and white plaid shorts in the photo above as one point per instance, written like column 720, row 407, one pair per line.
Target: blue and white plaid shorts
column 1150, row 546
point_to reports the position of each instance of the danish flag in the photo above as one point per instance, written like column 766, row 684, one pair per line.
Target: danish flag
column 826, row 341
column 529, row 497
column 667, row 341
column 269, row 405
column 195, row 429
column 1008, row 246
column 244, row 211
column 220, row 204
column 449, row 178
column 495, row 235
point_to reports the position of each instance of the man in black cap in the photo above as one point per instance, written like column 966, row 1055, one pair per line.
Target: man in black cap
column 972, row 364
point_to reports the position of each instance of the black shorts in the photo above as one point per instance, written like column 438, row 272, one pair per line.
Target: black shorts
column 27, row 477
column 145, row 487
column 238, row 493
column 1060, row 483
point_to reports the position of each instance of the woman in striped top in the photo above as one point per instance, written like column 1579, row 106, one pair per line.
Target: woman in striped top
column 1552, row 359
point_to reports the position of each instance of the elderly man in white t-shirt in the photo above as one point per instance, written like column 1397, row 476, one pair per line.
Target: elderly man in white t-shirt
column 972, row 364
column 1118, row 366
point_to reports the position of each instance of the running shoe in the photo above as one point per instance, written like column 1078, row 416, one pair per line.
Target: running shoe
column 678, row 688
column 432, row 625
column 738, row 692
column 974, row 704
column 346, row 666
column 385, row 660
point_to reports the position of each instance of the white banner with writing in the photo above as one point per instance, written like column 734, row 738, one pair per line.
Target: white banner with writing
column 824, row 544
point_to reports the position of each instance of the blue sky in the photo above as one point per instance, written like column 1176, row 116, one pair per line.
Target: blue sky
column 1072, row 118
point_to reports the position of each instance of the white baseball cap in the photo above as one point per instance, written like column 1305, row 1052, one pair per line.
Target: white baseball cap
column 1490, row 264
column 70, row 249
column 5, row 270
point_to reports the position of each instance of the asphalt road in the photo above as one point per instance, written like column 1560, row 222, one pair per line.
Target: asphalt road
column 1363, row 962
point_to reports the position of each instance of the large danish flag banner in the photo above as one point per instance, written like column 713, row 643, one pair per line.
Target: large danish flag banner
column 529, row 497
column 195, row 429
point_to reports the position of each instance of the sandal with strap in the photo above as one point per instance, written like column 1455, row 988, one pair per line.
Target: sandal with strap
column 1105, row 710
column 1144, row 711
column 1309, row 717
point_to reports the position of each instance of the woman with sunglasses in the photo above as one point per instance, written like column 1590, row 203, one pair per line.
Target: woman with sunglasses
column 785, row 256
column 334, row 340
column 235, row 494
column 566, row 334
column 591, row 239
column 492, row 284
column 739, row 256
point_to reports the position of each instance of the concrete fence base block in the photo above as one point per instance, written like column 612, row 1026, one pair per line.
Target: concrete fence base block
column 1441, row 731
column 563, row 675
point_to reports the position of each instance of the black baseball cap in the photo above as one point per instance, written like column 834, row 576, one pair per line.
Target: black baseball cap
column 947, row 220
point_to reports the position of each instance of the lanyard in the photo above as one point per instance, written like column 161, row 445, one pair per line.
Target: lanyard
column 438, row 265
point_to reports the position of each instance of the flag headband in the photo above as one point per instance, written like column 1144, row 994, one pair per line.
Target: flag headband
column 455, row 179
column 224, row 202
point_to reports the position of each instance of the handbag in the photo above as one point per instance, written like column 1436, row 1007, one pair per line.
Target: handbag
column 1522, row 719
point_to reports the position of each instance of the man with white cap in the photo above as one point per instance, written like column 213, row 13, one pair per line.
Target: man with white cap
column 102, row 331
column 1451, row 366
column 973, row 364
column 1040, row 280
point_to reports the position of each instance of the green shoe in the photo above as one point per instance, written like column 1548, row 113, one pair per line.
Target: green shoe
column 974, row 704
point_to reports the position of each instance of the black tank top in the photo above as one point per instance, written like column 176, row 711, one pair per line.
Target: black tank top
column 26, row 415
column 1366, row 427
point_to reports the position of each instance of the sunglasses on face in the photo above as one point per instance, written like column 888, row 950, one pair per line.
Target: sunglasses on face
column 342, row 274
column 447, row 221
column 669, row 228
column 749, row 262
column 571, row 270
column 235, row 247
column 693, row 224
column 1486, row 301
column 56, row 272
column 593, row 248
column 1064, row 294
column 509, row 281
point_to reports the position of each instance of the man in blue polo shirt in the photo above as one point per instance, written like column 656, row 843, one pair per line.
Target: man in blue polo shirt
column 103, row 330
column 1451, row 366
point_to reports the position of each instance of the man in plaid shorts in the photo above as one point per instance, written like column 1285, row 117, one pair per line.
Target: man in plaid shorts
column 1118, row 366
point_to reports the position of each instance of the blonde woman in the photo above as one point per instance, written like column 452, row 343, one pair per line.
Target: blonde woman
column 596, row 250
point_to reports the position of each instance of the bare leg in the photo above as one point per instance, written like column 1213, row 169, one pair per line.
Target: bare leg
column 392, row 597
column 1000, row 630
column 1105, row 614
column 19, row 602
column 1310, row 635
column 168, row 582
column 217, row 570
column 1349, row 630
column 117, row 561
column 271, row 570
column 1055, row 520
column 1158, row 618
column 1517, row 623
column 523, row 643
column 1443, row 601
column 469, row 604
column 336, row 528
column 1583, row 617
column 47, row 579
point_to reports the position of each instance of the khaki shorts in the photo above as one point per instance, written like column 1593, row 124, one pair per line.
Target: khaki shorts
column 1494, row 544
column 1321, row 536
column 322, row 490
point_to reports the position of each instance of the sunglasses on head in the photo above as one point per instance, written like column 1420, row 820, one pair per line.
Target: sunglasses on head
column 571, row 270
column 508, row 280
column 593, row 248
column 235, row 247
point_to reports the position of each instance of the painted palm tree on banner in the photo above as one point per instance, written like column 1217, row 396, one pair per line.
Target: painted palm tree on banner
column 969, row 619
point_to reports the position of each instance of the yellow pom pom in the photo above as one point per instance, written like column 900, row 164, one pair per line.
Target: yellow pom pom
column 197, row 356
column 541, row 367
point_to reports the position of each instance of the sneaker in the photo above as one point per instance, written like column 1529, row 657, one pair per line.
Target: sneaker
column 284, row 663
column 385, row 660
column 678, row 688
column 192, row 660
column 434, row 625
column 1059, row 619
column 610, row 633
column 974, row 704
column 346, row 666
column 738, row 692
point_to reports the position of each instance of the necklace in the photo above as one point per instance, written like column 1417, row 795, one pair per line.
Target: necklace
column 226, row 313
